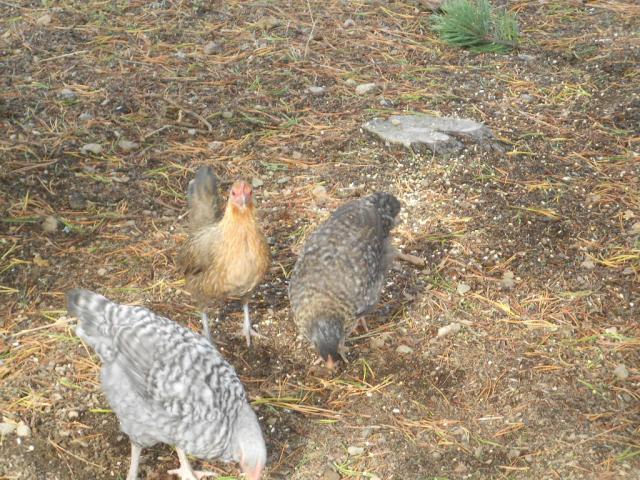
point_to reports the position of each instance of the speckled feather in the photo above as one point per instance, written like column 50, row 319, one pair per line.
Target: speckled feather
column 340, row 272
column 165, row 383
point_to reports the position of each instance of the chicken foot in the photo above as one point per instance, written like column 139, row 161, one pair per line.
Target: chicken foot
column 247, row 329
column 185, row 471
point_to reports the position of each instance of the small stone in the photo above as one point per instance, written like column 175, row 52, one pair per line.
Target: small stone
column 67, row 94
column 72, row 414
column 320, row 194
column 513, row 454
column 367, row 89
column 227, row 114
column 94, row 148
column 127, row 146
column 635, row 229
column 256, row 182
column 628, row 215
column 212, row 47
column 23, row 430
column 317, row 91
column 436, row 455
column 50, row 224
column 395, row 122
column 215, row 145
column 526, row 98
column 526, row 58
column 404, row 349
column 6, row 428
column 376, row 342
column 386, row 103
column 507, row 281
column 77, row 201
column 621, row 372
column 192, row 131
column 85, row 116
column 44, row 20
column 463, row 288
column 350, row 82
column 102, row 272
column 588, row 265
column 450, row 329
column 348, row 23
column 628, row 271
column 283, row 180
column 330, row 474
column 355, row 451
column 611, row 330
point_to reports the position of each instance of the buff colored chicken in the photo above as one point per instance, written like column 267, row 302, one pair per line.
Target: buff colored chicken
column 226, row 256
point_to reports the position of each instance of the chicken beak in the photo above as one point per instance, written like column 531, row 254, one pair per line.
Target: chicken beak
column 330, row 362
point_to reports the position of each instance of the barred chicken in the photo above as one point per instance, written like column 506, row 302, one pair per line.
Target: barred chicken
column 169, row 385
column 226, row 256
column 340, row 272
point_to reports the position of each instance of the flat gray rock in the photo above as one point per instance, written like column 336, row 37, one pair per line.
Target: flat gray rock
column 424, row 132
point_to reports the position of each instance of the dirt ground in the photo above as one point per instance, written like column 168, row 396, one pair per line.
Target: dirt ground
column 534, row 251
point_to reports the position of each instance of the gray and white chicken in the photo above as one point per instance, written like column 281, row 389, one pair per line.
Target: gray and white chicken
column 167, row 384
column 340, row 272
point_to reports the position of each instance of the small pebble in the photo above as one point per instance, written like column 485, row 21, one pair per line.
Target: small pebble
column 85, row 116
column 67, row 94
column 6, row 428
column 463, row 288
column 127, row 146
column 44, row 20
column 50, row 224
column 256, row 182
column 635, row 228
column 404, row 349
column 212, row 47
column 227, row 114
column 449, row 329
column 354, row 451
column 23, row 430
column 367, row 88
column 330, row 474
column 348, row 23
column 588, row 265
column 350, row 82
column 507, row 281
column 94, row 148
column 621, row 372
column 215, row 145
column 317, row 91
column 77, row 201
column 73, row 414
column 102, row 272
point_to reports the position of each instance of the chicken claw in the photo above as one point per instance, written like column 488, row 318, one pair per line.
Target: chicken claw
column 185, row 472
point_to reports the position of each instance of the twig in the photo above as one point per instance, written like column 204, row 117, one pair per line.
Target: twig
column 190, row 112
column 313, row 27
column 77, row 457
column 412, row 259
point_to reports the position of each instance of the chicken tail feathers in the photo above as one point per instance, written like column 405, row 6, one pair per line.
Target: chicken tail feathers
column 93, row 327
column 388, row 207
column 204, row 197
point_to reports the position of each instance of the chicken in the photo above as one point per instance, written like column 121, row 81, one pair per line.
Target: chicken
column 223, row 257
column 340, row 272
column 167, row 384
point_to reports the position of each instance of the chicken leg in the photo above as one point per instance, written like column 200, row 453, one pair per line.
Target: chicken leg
column 247, row 329
column 206, row 330
column 135, row 462
column 185, row 471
